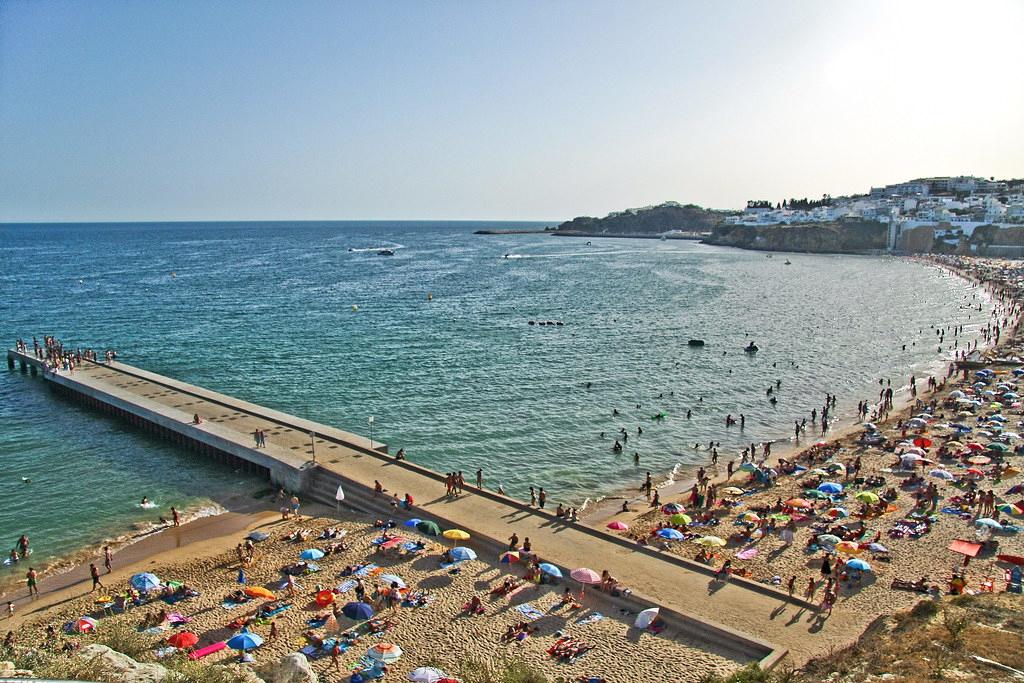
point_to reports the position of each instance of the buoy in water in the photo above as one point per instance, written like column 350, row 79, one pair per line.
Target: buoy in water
column 430, row 296
column 531, row 323
column 355, row 307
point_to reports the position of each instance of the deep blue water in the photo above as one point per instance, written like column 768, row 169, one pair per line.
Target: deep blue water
column 264, row 311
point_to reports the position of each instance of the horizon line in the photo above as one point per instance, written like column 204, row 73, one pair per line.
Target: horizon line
column 283, row 220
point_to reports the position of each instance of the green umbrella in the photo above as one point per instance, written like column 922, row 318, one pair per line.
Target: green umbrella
column 779, row 517
column 815, row 494
column 680, row 518
column 429, row 528
column 1001, row 447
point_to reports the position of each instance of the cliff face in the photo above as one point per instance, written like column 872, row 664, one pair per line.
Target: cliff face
column 844, row 237
column 648, row 221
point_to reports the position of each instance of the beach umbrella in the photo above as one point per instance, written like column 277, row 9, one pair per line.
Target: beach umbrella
column 510, row 557
column 975, row 446
column 816, row 494
column 818, row 471
column 848, row 547
column 245, row 640
column 550, row 569
column 260, row 592
column 324, row 598
column 835, row 467
column 672, row 508
column 258, row 536
column 456, row 535
column 680, row 518
column 748, row 467
column 618, row 526
column 585, row 575
column 428, row 528
column 385, row 652
column 1000, row 447
column 877, row 548
column 1008, row 509
column 732, row 491
column 975, row 471
column 390, row 579
column 830, row 487
column 646, row 617
column 828, row 539
column 462, row 554
column 916, row 422
column 922, row 442
column 85, row 625
column 670, row 534
column 954, row 444
column 859, row 565
column 779, row 517
column 957, row 394
column 359, row 611
column 870, row 426
column 145, row 581
column 183, row 639
column 750, row 516
column 989, row 523
column 838, row 512
column 798, row 503
column 942, row 474
column 311, row 554
column 711, row 541
column 867, row 497
column 427, row 674
column 412, row 522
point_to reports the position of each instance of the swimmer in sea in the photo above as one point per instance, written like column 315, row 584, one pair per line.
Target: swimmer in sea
column 145, row 501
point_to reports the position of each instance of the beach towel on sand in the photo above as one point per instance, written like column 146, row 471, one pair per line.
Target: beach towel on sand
column 364, row 571
column 908, row 528
column 529, row 611
column 346, row 586
column 590, row 618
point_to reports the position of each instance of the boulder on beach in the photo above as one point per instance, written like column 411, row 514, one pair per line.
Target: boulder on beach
column 293, row 668
column 126, row 668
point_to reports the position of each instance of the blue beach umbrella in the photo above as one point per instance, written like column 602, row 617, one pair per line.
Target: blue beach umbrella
column 462, row 554
column 748, row 467
column 859, row 565
column 245, row 641
column 670, row 534
column 311, row 554
column 988, row 522
column 412, row 522
column 830, row 487
column 145, row 581
column 359, row 611
column 550, row 569
column 241, row 576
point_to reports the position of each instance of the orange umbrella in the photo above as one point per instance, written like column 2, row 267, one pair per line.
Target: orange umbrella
column 260, row 592
column 798, row 503
column 848, row 547
column 324, row 598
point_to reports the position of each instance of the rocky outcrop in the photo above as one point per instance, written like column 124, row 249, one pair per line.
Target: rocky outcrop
column 124, row 667
column 842, row 237
column 8, row 670
column 293, row 668
column 648, row 221
column 239, row 674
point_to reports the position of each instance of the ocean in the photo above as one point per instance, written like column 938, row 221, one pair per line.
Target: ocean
column 435, row 343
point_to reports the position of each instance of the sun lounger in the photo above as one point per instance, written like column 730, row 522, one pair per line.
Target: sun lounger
column 529, row 611
column 208, row 650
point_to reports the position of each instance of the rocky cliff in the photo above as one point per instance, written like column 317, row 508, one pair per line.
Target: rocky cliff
column 843, row 237
column 648, row 221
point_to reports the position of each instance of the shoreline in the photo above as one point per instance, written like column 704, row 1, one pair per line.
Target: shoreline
column 607, row 508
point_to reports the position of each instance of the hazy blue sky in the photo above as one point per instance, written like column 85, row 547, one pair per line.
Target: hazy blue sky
column 471, row 109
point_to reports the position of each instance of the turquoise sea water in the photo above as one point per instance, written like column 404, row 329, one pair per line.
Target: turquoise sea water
column 264, row 311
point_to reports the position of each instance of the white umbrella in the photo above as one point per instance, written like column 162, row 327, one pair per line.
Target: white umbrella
column 426, row 674
column 646, row 617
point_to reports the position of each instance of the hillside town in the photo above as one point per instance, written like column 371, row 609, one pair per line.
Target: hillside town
column 953, row 207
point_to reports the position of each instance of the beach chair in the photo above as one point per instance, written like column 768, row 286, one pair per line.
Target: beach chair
column 206, row 651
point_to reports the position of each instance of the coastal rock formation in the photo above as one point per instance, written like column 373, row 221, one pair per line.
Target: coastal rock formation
column 842, row 237
column 293, row 668
column 239, row 674
column 8, row 670
column 126, row 668
column 649, row 221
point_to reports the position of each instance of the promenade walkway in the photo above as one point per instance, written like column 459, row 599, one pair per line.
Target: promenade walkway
column 733, row 606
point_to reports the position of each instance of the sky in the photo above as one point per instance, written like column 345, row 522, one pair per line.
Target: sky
column 471, row 109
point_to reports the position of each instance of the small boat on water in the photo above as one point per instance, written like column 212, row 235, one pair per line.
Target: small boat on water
column 788, row 263
column 695, row 342
column 386, row 252
column 751, row 348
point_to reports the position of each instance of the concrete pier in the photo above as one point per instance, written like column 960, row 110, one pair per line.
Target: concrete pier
column 315, row 466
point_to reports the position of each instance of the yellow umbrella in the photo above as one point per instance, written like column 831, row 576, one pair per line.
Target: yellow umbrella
column 456, row 535
column 848, row 547
column 259, row 592
column 750, row 517
column 867, row 497
column 680, row 518
column 732, row 491
column 711, row 541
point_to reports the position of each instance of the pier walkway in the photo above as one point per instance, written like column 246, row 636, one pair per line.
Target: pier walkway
column 752, row 620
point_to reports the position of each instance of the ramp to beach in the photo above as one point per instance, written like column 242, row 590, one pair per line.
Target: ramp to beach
column 753, row 620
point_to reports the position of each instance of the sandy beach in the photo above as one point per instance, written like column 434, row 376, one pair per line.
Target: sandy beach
column 902, row 540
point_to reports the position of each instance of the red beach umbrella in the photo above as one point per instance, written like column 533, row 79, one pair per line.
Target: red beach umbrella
column 183, row 640
column 922, row 442
column 618, row 526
